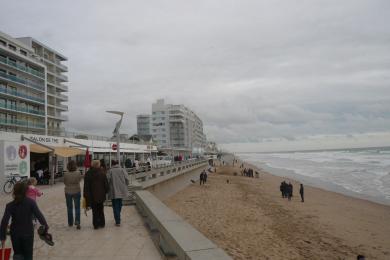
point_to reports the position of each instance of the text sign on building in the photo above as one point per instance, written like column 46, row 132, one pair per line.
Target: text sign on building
column 16, row 158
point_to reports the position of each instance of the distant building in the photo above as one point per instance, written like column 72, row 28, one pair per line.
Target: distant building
column 176, row 126
column 31, row 87
column 143, row 125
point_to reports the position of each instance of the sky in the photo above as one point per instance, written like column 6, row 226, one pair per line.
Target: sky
column 260, row 74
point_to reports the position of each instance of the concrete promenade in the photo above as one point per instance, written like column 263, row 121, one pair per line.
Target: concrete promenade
column 129, row 241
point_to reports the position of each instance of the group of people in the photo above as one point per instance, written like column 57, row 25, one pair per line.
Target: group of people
column 99, row 184
column 203, row 178
column 249, row 173
column 287, row 190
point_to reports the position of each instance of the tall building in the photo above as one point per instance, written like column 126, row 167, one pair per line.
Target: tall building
column 176, row 126
column 31, row 89
column 143, row 125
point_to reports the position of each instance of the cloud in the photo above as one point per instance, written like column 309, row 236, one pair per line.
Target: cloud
column 254, row 71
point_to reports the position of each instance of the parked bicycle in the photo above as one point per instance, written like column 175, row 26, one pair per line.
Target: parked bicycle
column 9, row 184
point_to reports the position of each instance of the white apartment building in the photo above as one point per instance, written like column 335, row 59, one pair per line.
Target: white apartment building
column 176, row 126
column 31, row 87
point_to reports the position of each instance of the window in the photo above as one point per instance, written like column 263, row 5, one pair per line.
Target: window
column 12, row 47
column 23, row 52
column 3, row 43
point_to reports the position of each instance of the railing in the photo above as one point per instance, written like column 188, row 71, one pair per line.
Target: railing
column 63, row 77
column 22, row 123
column 62, row 117
column 62, row 96
column 146, row 173
column 24, row 110
column 22, row 81
column 18, row 94
column 62, row 106
column 22, row 68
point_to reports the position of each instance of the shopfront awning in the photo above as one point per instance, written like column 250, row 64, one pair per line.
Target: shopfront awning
column 60, row 151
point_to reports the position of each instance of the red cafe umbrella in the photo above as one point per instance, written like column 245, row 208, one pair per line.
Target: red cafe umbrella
column 87, row 161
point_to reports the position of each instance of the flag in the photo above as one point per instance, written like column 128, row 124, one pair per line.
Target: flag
column 87, row 161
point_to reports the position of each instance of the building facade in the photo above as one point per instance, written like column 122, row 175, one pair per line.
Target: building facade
column 176, row 127
column 31, row 87
column 143, row 125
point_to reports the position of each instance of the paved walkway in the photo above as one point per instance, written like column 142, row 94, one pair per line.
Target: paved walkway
column 129, row 241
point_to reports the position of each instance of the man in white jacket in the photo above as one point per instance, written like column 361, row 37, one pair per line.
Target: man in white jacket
column 118, row 182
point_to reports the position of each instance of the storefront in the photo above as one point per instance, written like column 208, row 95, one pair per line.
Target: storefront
column 25, row 154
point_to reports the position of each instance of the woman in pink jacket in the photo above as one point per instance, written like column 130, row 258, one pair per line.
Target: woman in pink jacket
column 32, row 191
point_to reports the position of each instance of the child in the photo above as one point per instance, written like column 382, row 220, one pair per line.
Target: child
column 32, row 191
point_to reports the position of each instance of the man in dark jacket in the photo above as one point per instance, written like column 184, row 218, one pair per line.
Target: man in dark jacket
column 95, row 190
column 301, row 192
column 289, row 190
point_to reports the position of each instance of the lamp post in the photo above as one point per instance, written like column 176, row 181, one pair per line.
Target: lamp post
column 116, row 132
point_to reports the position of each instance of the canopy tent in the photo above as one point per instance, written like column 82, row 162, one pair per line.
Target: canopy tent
column 60, row 151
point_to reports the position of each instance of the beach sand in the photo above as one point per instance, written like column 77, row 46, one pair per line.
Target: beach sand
column 249, row 219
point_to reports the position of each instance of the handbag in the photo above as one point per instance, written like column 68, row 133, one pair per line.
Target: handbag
column 5, row 253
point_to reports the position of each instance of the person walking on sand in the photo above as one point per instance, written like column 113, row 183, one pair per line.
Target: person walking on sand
column 289, row 190
column 204, row 176
column 72, row 190
column 95, row 190
column 201, row 176
column 301, row 192
column 118, row 183
column 21, row 210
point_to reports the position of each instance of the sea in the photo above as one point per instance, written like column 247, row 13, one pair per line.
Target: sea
column 362, row 172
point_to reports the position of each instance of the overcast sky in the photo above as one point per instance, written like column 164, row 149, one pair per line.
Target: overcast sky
column 254, row 71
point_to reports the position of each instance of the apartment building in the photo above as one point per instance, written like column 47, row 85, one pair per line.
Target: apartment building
column 31, row 89
column 176, row 126
column 143, row 125
column 55, row 89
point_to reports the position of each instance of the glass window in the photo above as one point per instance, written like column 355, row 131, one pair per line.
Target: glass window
column 12, row 47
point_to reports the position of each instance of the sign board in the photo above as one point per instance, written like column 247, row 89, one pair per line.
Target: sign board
column 15, row 158
column 114, row 147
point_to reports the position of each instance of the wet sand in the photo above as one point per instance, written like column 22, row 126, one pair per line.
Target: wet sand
column 249, row 219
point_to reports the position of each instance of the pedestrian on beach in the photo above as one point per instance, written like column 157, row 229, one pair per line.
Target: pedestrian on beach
column 201, row 177
column 95, row 190
column 282, row 188
column 301, row 192
column 118, row 183
column 289, row 190
column 21, row 210
column 72, row 189
column 204, row 177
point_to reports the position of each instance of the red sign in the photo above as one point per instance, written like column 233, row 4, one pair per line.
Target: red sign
column 114, row 147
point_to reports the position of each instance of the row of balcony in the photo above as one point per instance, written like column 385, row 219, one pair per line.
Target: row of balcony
column 18, row 94
column 22, row 67
column 58, row 75
column 21, row 109
column 21, row 123
column 25, row 82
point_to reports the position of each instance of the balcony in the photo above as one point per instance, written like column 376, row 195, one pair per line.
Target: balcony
column 63, row 97
column 61, row 66
column 59, row 117
column 22, row 109
column 62, row 77
column 21, row 81
column 22, row 68
column 15, row 93
column 63, row 107
column 21, row 123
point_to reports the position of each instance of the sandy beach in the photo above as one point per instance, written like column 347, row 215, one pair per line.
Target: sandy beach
column 249, row 219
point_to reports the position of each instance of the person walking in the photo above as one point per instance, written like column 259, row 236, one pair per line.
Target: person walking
column 118, row 182
column 21, row 210
column 72, row 190
column 204, row 176
column 95, row 190
column 201, row 176
column 289, row 190
column 301, row 192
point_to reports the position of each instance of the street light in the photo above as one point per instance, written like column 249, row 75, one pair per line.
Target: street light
column 116, row 132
